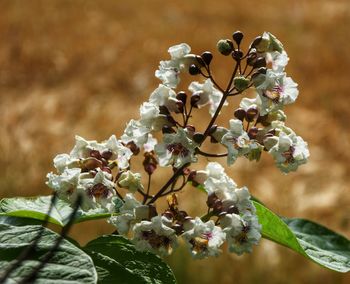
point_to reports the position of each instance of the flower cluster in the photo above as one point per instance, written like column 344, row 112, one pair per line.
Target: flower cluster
column 102, row 172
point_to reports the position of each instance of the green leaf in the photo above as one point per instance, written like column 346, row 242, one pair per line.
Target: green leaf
column 311, row 240
column 117, row 261
column 37, row 208
column 69, row 264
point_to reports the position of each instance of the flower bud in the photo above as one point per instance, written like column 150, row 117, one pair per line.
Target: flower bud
column 198, row 137
column 181, row 96
column 261, row 43
column 167, row 130
column 95, row 154
column 240, row 114
column 241, row 83
column 260, row 62
column 207, row 57
column 164, row 110
column 237, row 54
column 213, row 129
column 194, row 70
column 133, row 148
column 191, row 129
column 225, row 46
column 237, row 37
column 253, row 132
column 179, row 107
column 107, row 154
column 251, row 114
column 251, row 58
column 195, row 99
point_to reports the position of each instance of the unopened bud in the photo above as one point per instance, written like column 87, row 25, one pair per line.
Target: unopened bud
column 240, row 114
column 181, row 96
column 167, row 129
column 179, row 107
column 198, row 137
column 251, row 114
column 95, row 154
column 107, row 154
column 237, row 37
column 241, row 83
column 207, row 57
column 237, row 54
column 253, row 132
column 225, row 46
column 195, row 99
column 194, row 70
column 260, row 62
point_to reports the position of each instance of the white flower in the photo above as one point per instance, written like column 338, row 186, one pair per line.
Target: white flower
column 65, row 184
column 61, row 162
column 118, row 151
column 208, row 95
column 126, row 217
column 225, row 189
column 98, row 190
column 276, row 90
column 130, row 181
column 278, row 60
column 236, row 140
column 164, row 96
column 177, row 149
column 169, row 71
column 288, row 150
column 135, row 132
column 155, row 236
column 241, row 232
column 149, row 145
column 204, row 239
column 179, row 51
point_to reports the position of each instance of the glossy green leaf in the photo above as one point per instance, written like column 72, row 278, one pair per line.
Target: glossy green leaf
column 37, row 208
column 311, row 240
column 117, row 261
column 69, row 264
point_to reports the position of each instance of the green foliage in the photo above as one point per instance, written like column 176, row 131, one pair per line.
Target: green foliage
column 117, row 261
column 311, row 240
column 69, row 264
column 37, row 208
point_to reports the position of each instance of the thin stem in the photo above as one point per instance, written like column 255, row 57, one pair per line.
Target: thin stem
column 198, row 151
column 188, row 115
column 168, row 183
column 148, row 189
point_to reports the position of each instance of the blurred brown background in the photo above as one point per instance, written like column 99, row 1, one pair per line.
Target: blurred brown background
column 84, row 67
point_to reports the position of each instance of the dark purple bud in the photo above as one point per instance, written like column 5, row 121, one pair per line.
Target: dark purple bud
column 237, row 37
column 207, row 57
column 194, row 70
column 213, row 129
column 181, row 96
column 237, row 54
column 164, row 110
column 253, row 132
column 179, row 107
column 240, row 114
column 195, row 99
column 260, row 62
column 167, row 129
column 251, row 114
column 198, row 137
column 107, row 154
column 95, row 154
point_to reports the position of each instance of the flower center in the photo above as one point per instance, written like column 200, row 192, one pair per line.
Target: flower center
column 288, row 155
column 156, row 241
column 98, row 191
column 178, row 149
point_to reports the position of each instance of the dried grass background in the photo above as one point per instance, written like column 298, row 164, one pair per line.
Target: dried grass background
column 84, row 67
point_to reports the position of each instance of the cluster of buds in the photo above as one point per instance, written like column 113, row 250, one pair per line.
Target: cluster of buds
column 102, row 172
